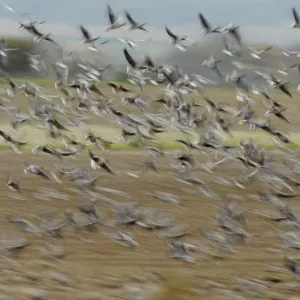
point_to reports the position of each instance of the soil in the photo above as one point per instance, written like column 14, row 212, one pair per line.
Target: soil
column 93, row 266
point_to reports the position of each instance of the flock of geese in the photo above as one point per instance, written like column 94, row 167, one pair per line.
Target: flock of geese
column 277, row 169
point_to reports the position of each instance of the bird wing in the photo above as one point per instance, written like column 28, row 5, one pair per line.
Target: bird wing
column 85, row 33
column 91, row 154
column 129, row 58
column 148, row 62
column 267, row 49
column 204, row 22
column 35, row 30
column 130, row 19
column 226, row 43
column 170, row 33
column 111, row 15
column 296, row 16
column 210, row 103
column 106, row 167
column 41, row 172
column 52, row 41
column 236, row 35
column 113, row 85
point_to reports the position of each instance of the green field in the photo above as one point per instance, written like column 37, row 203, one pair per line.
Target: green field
column 108, row 131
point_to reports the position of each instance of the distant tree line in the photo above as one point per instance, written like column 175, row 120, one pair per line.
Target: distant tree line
column 16, row 63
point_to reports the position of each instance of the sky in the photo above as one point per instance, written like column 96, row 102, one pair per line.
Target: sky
column 262, row 21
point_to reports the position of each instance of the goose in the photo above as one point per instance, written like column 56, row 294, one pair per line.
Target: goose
column 115, row 23
column 116, row 88
column 296, row 24
column 258, row 53
column 176, row 39
column 33, row 169
column 230, row 50
column 89, row 39
column 38, row 35
column 134, row 25
column 97, row 163
column 131, row 43
column 213, row 65
column 13, row 185
column 207, row 27
column 233, row 31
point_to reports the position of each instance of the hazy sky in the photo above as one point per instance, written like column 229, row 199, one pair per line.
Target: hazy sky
column 260, row 20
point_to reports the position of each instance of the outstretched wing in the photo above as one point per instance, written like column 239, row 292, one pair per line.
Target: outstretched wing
column 129, row 58
column 148, row 62
column 52, row 41
column 130, row 18
column 113, row 85
column 91, row 154
column 204, row 22
column 111, row 15
column 170, row 33
column 236, row 35
column 296, row 16
column 85, row 33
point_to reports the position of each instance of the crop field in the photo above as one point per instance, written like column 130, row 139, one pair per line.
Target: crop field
column 86, row 263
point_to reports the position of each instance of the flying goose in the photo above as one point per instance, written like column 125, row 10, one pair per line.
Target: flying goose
column 122, row 238
column 46, row 149
column 80, row 220
column 213, row 65
column 176, row 39
column 132, row 63
column 33, row 169
column 132, row 43
column 180, row 252
column 89, row 209
column 206, row 26
column 97, row 163
column 288, row 53
column 116, row 88
column 274, row 82
column 115, row 22
column 10, row 140
column 13, row 185
column 38, row 35
column 233, row 31
column 258, row 53
column 134, row 25
column 296, row 24
column 128, row 42
column 89, row 39
column 127, row 213
column 230, row 48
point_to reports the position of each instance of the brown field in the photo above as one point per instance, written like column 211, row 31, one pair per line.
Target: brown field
column 95, row 267
column 92, row 266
